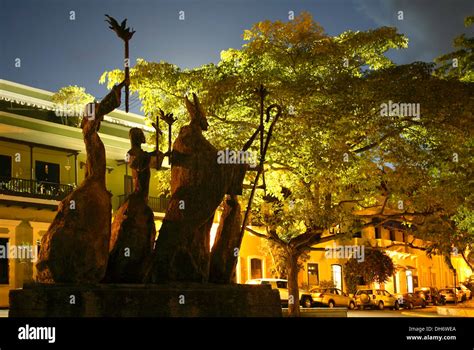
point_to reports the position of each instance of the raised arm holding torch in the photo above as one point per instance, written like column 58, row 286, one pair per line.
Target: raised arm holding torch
column 168, row 118
column 158, row 133
column 125, row 34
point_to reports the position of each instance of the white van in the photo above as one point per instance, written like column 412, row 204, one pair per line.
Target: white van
column 282, row 286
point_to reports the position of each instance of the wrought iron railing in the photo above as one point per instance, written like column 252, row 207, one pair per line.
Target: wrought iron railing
column 157, row 204
column 34, row 188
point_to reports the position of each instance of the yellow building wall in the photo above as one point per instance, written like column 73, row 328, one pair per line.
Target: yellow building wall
column 324, row 268
column 7, row 230
column 430, row 271
column 252, row 247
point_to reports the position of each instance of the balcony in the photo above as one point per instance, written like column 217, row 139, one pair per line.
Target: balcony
column 157, row 204
column 34, row 189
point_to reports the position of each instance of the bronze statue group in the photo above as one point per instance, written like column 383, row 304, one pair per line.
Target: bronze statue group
column 82, row 245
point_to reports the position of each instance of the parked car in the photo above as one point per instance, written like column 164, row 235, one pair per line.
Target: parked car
column 451, row 295
column 431, row 295
column 461, row 294
column 466, row 291
column 371, row 298
column 469, row 285
column 331, row 297
column 411, row 300
column 282, row 286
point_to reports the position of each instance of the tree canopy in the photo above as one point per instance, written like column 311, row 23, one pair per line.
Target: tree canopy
column 377, row 266
column 71, row 100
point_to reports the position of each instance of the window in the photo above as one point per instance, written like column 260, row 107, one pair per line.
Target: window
column 409, row 276
column 392, row 235
column 364, row 291
column 282, row 284
column 313, row 274
column 47, row 172
column 378, row 232
column 357, row 235
column 4, row 278
column 5, row 167
column 256, row 268
column 415, row 281
column 336, row 272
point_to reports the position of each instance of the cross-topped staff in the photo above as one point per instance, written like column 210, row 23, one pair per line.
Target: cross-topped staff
column 158, row 133
column 262, row 92
column 125, row 34
column 156, row 126
column 168, row 118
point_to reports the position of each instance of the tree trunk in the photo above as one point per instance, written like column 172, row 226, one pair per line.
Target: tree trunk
column 466, row 259
column 293, row 290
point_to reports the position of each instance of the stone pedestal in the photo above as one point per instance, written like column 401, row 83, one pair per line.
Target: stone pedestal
column 139, row 300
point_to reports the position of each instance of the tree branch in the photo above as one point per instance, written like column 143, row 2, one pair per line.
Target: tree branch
column 389, row 134
column 258, row 234
column 410, row 245
column 304, row 239
column 313, row 249
column 467, row 261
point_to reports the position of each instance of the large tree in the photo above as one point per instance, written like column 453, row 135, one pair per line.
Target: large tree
column 376, row 266
column 70, row 102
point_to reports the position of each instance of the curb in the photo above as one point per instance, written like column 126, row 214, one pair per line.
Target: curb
column 319, row 312
column 421, row 314
column 455, row 311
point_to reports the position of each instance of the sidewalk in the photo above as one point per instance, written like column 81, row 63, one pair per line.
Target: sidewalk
column 465, row 309
column 3, row 312
column 421, row 312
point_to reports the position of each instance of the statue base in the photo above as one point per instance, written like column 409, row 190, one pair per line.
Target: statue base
column 140, row 300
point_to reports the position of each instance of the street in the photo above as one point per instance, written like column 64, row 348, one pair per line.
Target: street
column 429, row 311
column 417, row 312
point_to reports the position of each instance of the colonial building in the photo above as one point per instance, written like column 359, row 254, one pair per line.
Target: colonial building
column 413, row 268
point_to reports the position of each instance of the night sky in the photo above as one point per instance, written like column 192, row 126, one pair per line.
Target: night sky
column 57, row 52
